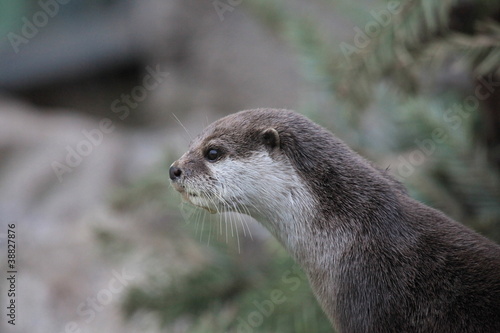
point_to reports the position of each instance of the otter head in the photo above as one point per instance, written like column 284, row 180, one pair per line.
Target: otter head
column 238, row 164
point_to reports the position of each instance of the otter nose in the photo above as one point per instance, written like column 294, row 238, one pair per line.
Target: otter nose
column 175, row 172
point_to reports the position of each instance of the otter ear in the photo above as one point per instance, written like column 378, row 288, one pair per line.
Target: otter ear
column 271, row 138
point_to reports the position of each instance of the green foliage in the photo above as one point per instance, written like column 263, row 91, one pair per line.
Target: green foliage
column 229, row 294
column 456, row 176
column 419, row 35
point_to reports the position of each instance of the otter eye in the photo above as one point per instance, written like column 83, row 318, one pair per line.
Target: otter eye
column 213, row 154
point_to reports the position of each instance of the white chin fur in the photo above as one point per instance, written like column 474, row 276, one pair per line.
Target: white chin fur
column 267, row 189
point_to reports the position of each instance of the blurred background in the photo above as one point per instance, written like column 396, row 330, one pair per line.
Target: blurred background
column 98, row 98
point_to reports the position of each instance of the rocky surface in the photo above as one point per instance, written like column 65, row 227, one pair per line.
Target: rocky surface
column 60, row 167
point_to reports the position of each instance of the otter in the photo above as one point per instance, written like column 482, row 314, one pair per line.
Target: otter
column 377, row 260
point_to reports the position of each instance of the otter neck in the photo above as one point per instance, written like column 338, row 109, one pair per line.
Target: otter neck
column 294, row 222
column 317, row 237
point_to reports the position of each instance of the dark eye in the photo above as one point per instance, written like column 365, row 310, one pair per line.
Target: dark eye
column 213, row 154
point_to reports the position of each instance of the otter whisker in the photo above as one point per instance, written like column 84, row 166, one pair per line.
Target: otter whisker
column 232, row 220
column 217, row 200
column 231, row 224
column 225, row 224
column 242, row 210
column 235, row 207
column 204, row 215
column 198, row 219
column 184, row 127
column 244, row 223
column 213, row 198
column 232, row 209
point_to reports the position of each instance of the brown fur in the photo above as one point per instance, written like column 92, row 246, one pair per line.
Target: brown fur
column 377, row 260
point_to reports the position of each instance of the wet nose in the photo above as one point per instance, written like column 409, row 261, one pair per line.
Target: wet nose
column 175, row 172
